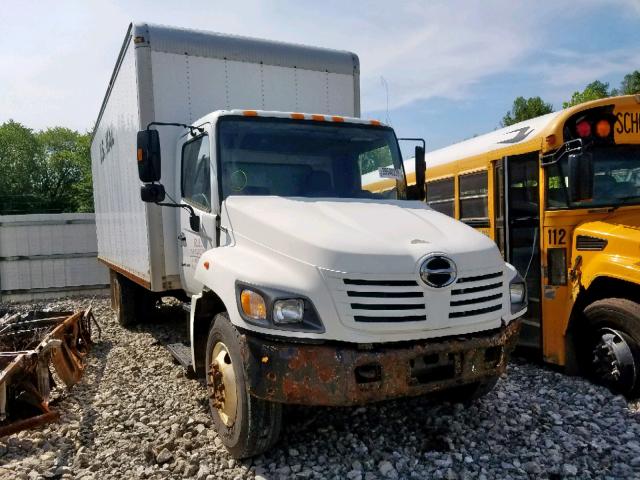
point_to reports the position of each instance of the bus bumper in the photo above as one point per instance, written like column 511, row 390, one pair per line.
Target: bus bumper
column 345, row 374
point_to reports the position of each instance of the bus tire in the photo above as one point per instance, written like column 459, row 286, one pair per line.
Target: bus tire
column 123, row 299
column 614, row 344
column 246, row 425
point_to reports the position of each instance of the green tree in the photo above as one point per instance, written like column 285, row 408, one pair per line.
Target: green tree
column 20, row 154
column 593, row 91
column 62, row 173
column 524, row 109
column 630, row 84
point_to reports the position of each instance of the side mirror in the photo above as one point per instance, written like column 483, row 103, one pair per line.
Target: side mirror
column 152, row 193
column 580, row 176
column 149, row 155
column 194, row 222
column 421, row 166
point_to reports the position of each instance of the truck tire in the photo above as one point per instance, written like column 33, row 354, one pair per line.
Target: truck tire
column 246, row 425
column 614, row 344
column 123, row 299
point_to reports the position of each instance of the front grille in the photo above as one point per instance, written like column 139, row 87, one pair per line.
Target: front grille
column 587, row 243
column 382, row 301
column 476, row 295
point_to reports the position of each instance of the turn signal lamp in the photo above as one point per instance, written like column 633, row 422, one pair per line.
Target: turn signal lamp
column 253, row 305
column 583, row 129
column 603, row 128
column 140, row 154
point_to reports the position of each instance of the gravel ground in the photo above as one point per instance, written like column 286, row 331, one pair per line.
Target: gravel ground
column 135, row 415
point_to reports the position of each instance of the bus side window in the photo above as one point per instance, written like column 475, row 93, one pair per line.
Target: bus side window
column 474, row 199
column 441, row 196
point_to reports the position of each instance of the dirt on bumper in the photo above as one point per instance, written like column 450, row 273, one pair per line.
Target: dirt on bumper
column 345, row 374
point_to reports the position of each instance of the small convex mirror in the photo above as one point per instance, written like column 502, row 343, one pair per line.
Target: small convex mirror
column 152, row 193
column 148, row 155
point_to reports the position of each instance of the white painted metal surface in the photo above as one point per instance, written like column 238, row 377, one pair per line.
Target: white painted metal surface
column 178, row 75
column 49, row 255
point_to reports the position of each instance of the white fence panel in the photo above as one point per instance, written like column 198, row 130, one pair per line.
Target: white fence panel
column 49, row 255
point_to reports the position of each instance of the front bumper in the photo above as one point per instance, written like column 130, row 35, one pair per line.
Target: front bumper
column 345, row 374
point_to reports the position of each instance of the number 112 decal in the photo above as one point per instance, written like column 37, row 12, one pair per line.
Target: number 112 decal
column 556, row 236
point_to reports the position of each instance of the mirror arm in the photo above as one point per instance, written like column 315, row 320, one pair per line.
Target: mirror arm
column 193, row 130
column 188, row 208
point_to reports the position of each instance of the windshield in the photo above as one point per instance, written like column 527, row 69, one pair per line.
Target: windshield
column 289, row 158
column 616, row 179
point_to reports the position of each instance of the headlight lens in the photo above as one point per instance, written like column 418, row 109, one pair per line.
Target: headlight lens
column 288, row 311
column 517, row 292
column 253, row 305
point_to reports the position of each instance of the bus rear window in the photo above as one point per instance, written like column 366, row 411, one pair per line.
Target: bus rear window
column 441, row 196
column 473, row 199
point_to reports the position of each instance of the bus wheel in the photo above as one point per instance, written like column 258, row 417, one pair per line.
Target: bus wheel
column 615, row 344
column 246, row 425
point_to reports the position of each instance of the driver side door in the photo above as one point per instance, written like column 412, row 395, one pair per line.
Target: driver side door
column 195, row 191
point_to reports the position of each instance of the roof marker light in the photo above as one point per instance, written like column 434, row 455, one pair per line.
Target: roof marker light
column 297, row 116
column 603, row 128
column 375, row 122
column 583, row 129
column 250, row 113
column 337, row 118
column 318, row 118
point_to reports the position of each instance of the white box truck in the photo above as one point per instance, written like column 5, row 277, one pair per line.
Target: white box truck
column 304, row 287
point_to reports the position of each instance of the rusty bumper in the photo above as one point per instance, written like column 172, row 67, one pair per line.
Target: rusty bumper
column 347, row 374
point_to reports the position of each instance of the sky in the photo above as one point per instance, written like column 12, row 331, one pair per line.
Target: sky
column 441, row 70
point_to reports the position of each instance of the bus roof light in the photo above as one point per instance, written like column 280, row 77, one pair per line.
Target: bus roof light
column 603, row 128
column 583, row 129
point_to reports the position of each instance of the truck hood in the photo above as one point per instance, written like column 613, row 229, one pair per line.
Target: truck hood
column 357, row 235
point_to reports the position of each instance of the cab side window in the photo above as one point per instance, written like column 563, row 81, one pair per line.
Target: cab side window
column 441, row 196
column 196, row 179
column 474, row 199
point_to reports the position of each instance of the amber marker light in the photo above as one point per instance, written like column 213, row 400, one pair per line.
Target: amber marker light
column 603, row 128
column 250, row 113
column 253, row 305
column 206, row 265
column 140, row 154
column 551, row 140
column 297, row 116
column 337, row 118
column 317, row 118
column 374, row 122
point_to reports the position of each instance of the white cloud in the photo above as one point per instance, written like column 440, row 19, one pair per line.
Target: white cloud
column 57, row 57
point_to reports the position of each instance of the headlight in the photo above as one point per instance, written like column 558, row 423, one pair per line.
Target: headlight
column 288, row 311
column 253, row 305
column 518, row 292
column 277, row 309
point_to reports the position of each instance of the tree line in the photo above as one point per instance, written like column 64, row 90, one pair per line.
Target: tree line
column 46, row 171
column 526, row 108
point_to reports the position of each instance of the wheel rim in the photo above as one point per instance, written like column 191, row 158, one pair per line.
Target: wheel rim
column 613, row 360
column 222, row 384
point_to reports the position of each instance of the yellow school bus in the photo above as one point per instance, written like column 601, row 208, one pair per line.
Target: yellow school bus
column 560, row 195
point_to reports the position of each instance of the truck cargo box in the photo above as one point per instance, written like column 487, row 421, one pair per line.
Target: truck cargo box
column 167, row 74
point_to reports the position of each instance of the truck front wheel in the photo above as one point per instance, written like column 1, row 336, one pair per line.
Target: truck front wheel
column 246, row 425
column 614, row 344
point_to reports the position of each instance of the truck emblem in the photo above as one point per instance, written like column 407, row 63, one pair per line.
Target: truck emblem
column 438, row 271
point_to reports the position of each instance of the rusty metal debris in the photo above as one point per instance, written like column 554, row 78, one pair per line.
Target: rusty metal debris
column 32, row 347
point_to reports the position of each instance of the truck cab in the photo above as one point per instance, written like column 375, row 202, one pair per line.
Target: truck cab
column 315, row 290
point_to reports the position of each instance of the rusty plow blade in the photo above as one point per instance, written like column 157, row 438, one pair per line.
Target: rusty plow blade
column 32, row 347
